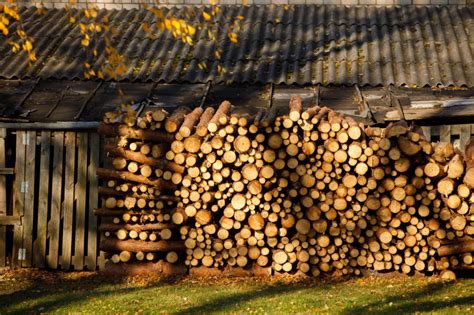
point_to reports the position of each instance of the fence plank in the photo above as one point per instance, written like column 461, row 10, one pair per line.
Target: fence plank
column 54, row 222
column 68, row 203
column 465, row 135
column 80, row 194
column 28, row 219
column 427, row 132
column 19, row 198
column 39, row 245
column 445, row 133
column 91, row 258
column 3, row 200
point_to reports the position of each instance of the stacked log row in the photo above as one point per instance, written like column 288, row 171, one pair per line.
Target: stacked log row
column 138, row 194
column 309, row 191
column 316, row 192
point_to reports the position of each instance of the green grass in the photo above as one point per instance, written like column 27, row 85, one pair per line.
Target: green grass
column 89, row 293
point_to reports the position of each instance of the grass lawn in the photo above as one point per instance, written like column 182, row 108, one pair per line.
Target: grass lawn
column 41, row 292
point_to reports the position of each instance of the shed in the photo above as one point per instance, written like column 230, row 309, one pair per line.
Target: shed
column 377, row 64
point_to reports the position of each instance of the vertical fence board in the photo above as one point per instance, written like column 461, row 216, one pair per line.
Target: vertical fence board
column 465, row 135
column 3, row 200
column 19, row 197
column 445, row 133
column 68, row 203
column 94, row 146
column 81, row 206
column 39, row 245
column 427, row 132
column 28, row 219
column 54, row 222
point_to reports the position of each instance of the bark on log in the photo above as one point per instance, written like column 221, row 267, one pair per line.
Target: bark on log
column 110, row 227
column 143, row 159
column 458, row 248
column 159, row 183
column 161, row 268
column 140, row 134
column 134, row 246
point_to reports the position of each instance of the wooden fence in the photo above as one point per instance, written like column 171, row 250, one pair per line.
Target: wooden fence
column 54, row 194
column 47, row 199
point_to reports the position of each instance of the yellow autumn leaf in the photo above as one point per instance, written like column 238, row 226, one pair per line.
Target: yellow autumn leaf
column 72, row 20
column 175, row 24
column 189, row 40
column 206, row 16
column 146, row 27
column 85, row 42
column 98, row 28
column 32, row 56
column 27, row 46
column 191, row 30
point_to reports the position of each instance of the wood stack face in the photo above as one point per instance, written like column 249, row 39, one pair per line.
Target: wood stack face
column 309, row 191
column 138, row 194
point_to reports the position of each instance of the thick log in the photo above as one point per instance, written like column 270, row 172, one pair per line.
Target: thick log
column 159, row 183
column 161, row 268
column 140, row 134
column 190, row 121
column 134, row 246
column 458, row 248
column 106, row 191
column 110, row 227
column 143, row 159
column 173, row 122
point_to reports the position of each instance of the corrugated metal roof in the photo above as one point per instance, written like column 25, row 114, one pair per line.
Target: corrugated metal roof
column 300, row 44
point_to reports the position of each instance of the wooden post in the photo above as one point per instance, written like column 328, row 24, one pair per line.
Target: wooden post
column 19, row 197
column 3, row 200
column 28, row 219
column 39, row 245
column 80, row 194
column 93, row 202
column 68, row 204
column 54, row 222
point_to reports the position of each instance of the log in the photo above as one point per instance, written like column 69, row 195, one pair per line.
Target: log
column 109, row 227
column 456, row 248
column 161, row 268
column 173, row 122
column 159, row 183
column 140, row 134
column 143, row 159
column 135, row 246
column 201, row 128
column 223, row 110
column 190, row 121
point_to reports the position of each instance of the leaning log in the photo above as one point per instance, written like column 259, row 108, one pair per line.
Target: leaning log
column 134, row 246
column 161, row 184
column 140, row 134
column 458, row 248
column 110, row 227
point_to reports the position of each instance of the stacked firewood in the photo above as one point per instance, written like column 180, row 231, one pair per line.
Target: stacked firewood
column 138, row 195
column 308, row 191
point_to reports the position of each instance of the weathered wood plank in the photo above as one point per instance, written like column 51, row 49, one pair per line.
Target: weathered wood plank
column 39, row 245
column 54, row 222
column 6, row 171
column 427, row 132
column 93, row 201
column 19, row 197
column 28, row 219
column 464, row 136
column 445, row 133
column 3, row 201
column 67, row 212
column 10, row 220
column 81, row 205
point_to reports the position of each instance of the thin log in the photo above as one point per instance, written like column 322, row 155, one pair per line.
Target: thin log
column 140, row 134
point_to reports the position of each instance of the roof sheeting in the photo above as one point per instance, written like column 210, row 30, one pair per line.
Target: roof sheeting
column 300, row 44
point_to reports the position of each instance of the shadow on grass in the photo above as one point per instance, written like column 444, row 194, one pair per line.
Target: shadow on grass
column 224, row 303
column 46, row 296
column 425, row 299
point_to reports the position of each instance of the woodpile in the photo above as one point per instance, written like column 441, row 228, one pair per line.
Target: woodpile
column 138, row 194
column 306, row 190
